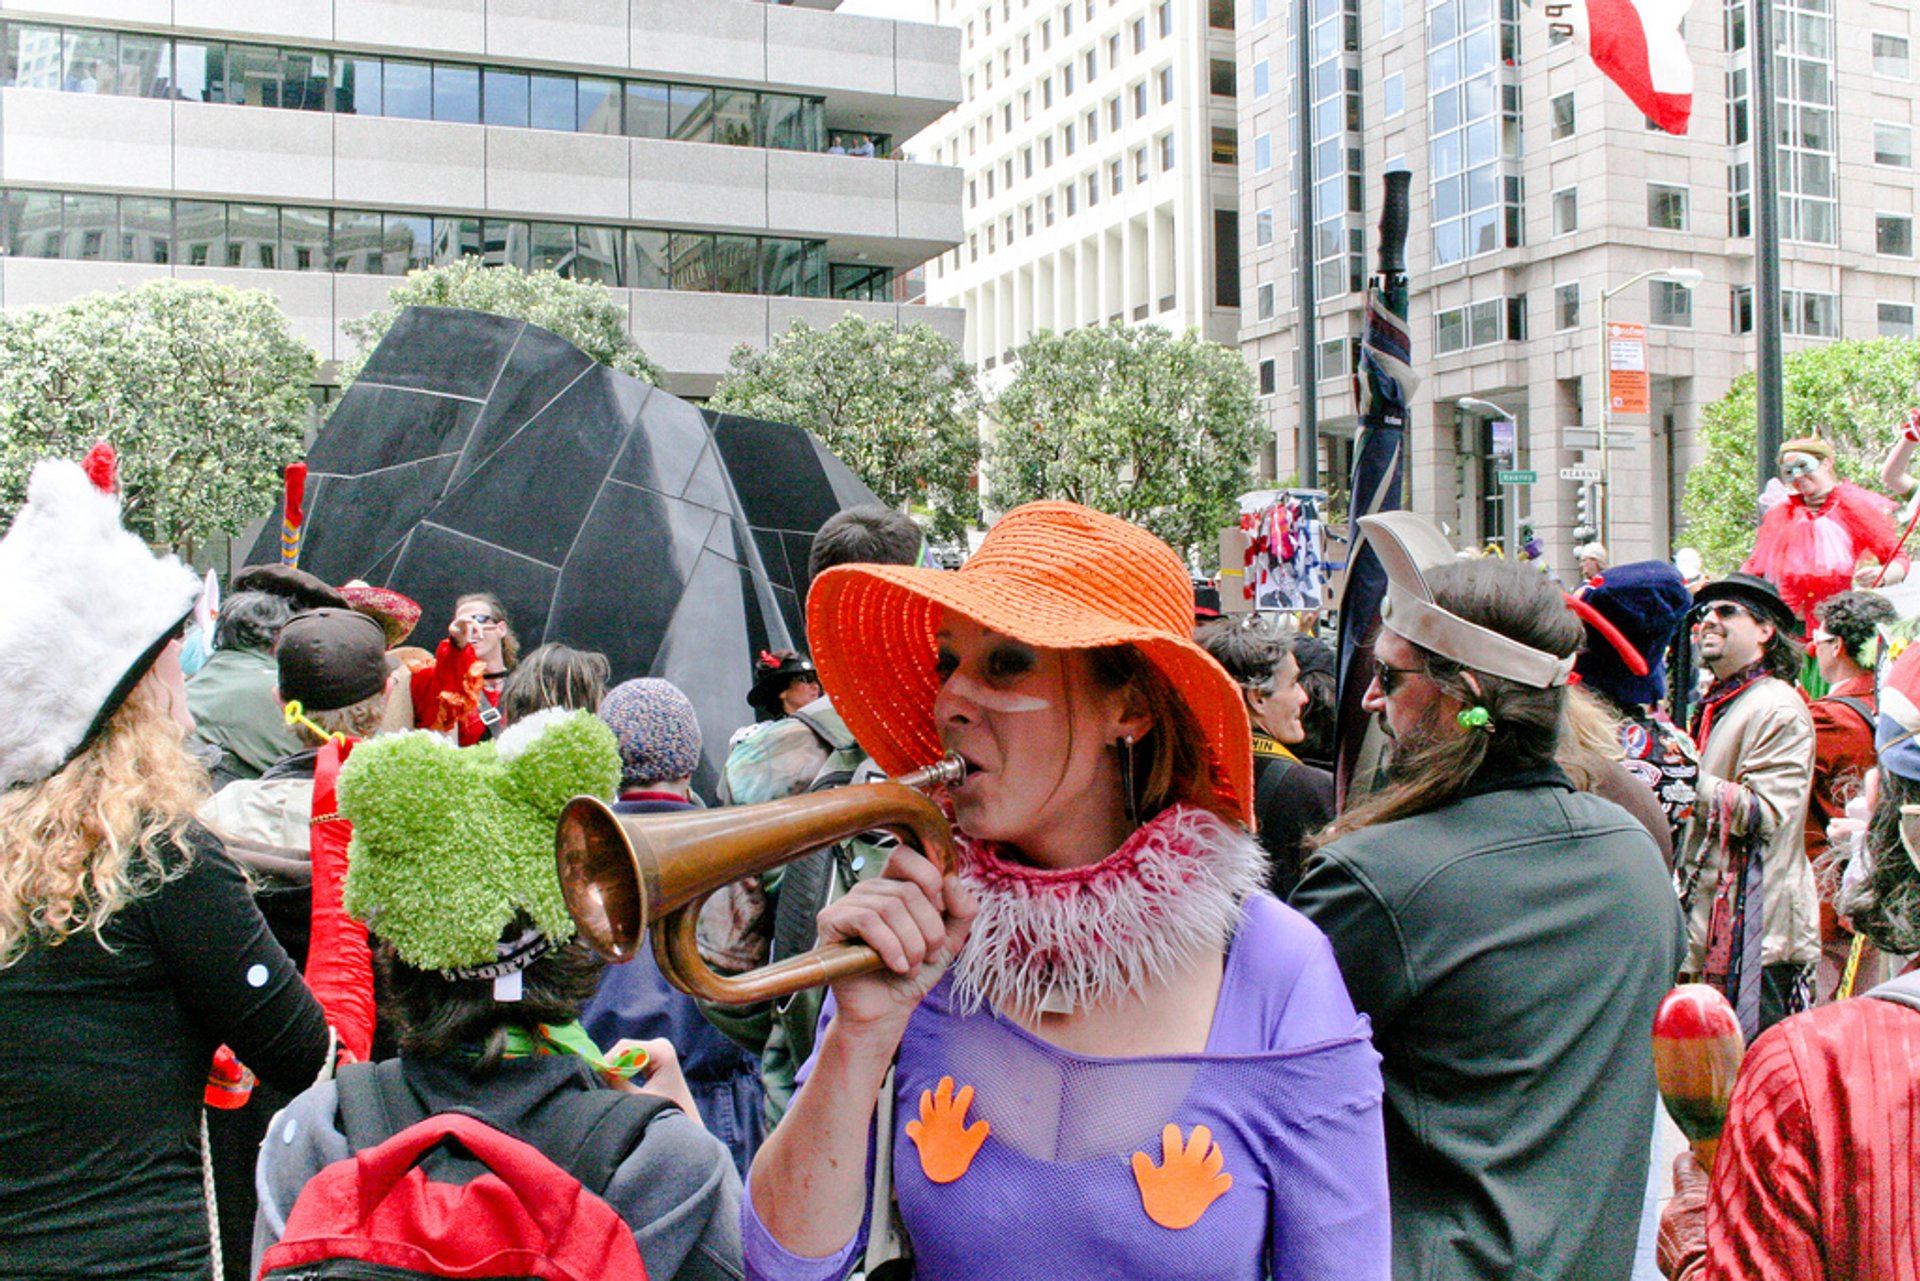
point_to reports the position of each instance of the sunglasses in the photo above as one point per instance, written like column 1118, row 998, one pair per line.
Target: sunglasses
column 1726, row 609
column 1794, row 471
column 485, row 620
column 1389, row 677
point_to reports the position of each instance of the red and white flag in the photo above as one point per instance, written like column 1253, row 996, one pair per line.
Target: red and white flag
column 1638, row 45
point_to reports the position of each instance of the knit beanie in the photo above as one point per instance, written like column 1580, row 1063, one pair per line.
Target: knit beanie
column 656, row 728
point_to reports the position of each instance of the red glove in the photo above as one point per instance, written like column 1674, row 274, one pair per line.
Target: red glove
column 1910, row 430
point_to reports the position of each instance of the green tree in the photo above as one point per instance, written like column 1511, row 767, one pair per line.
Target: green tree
column 895, row 404
column 201, row 388
column 584, row 312
column 1854, row 395
column 1155, row 429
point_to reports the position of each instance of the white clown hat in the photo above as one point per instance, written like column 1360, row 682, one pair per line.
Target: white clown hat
column 86, row 610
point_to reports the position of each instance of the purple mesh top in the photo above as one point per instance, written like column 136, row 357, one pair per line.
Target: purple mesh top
column 1289, row 1087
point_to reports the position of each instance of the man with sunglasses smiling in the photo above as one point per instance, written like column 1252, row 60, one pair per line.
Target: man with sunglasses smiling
column 1810, row 543
column 1748, row 890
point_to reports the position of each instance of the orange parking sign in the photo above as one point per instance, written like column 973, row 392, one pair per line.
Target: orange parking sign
column 1627, row 368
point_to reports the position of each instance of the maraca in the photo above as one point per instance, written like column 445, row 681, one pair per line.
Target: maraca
column 1697, row 1048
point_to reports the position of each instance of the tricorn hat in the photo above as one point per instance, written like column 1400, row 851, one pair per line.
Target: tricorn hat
column 397, row 615
column 773, row 671
column 1409, row 545
column 295, row 585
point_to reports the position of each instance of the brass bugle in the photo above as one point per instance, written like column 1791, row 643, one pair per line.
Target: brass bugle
column 623, row 874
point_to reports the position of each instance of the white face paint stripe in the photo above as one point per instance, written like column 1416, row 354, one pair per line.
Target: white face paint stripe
column 994, row 700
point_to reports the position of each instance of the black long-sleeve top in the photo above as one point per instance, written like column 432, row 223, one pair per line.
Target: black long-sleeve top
column 104, row 1048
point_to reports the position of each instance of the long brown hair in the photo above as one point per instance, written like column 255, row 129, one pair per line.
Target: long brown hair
column 77, row 847
column 1172, row 761
column 1431, row 769
column 509, row 643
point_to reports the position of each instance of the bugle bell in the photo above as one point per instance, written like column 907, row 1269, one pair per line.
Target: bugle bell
column 624, row 874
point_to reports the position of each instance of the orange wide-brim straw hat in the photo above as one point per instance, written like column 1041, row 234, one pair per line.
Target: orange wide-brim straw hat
column 1050, row 574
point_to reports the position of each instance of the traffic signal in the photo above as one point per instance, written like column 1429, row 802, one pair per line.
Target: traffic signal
column 1584, row 530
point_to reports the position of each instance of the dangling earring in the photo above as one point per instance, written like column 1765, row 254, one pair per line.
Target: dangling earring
column 1127, row 794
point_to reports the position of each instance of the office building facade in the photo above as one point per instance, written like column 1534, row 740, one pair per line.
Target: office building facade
column 1542, row 196
column 1097, row 144
column 726, row 167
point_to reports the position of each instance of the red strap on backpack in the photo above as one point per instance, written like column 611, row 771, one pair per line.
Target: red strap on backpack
column 525, row 1217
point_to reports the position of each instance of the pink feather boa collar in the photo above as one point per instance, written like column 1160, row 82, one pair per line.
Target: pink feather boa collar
column 1077, row 937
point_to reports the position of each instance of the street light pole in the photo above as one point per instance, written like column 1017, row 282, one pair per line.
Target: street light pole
column 1686, row 277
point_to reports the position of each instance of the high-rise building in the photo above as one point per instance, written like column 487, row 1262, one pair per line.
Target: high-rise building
column 726, row 166
column 1541, row 199
column 1096, row 140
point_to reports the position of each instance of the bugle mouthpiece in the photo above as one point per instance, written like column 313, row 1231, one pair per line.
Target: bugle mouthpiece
column 945, row 772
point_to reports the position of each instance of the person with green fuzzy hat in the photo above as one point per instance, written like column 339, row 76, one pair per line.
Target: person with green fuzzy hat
column 452, row 868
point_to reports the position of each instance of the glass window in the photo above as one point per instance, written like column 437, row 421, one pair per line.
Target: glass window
column 692, row 118
column 1219, row 77
column 253, row 236
column 1890, row 56
column 456, row 94
column 690, row 257
column 1263, row 227
column 1672, row 304
column 33, row 58
column 304, row 79
column 503, row 98
column 1139, row 164
column 1666, row 207
column 506, row 242
column 406, row 244
column 1893, row 235
column 790, row 123
column 408, row 93
column 356, row 85
column 1268, row 378
column 91, row 62
column 599, row 106
column 1741, row 298
column 92, row 227
column 1450, row 330
column 1262, row 153
column 552, row 102
column 1166, row 152
column 645, row 265
column 550, row 247
column 1896, row 320
column 200, row 233
column 1116, row 178
column 1566, row 211
column 1562, row 116
column 736, row 264
column 1566, row 306
column 359, row 238
column 733, row 111
column 1166, row 84
column 1226, row 145
column 649, row 113
column 1165, row 12
column 597, row 255
column 1892, row 145
column 1262, row 79
column 456, row 238
column 143, row 64
column 146, row 229
column 1392, row 16
column 793, row 268
column 252, row 76
column 303, row 240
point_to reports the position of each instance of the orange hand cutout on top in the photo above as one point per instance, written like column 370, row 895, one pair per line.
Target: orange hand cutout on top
column 947, row 1143
column 1188, row 1180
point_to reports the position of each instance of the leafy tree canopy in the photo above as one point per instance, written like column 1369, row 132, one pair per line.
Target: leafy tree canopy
column 1155, row 429
column 201, row 388
column 895, row 404
column 1854, row 395
column 584, row 312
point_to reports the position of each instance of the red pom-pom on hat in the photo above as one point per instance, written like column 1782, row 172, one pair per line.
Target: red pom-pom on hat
column 102, row 465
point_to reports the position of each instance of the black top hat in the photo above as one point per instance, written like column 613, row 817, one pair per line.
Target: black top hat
column 773, row 671
column 1760, row 597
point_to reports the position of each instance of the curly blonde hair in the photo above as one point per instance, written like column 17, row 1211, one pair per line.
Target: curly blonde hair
column 77, row 847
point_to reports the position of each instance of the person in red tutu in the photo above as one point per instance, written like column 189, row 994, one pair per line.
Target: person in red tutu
column 1810, row 543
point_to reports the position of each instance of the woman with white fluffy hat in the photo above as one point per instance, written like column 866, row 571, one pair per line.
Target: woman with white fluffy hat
column 129, row 946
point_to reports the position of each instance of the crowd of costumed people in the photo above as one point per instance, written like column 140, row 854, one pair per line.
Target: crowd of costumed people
column 1041, row 921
